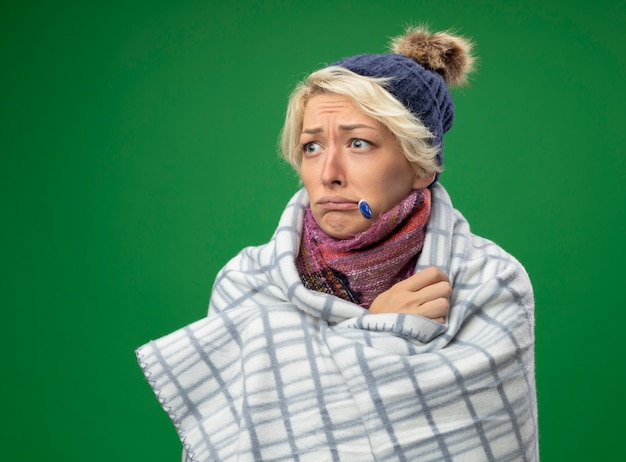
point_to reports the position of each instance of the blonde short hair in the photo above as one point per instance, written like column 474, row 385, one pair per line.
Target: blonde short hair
column 371, row 97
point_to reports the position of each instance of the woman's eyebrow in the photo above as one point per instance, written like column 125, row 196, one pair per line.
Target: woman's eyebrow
column 355, row 126
column 315, row 131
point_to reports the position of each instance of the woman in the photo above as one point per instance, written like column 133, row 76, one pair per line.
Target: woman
column 374, row 325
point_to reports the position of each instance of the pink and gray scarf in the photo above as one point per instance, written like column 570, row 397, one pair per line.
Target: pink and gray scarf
column 360, row 268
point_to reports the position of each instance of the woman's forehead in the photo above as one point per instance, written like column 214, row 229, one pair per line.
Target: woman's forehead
column 332, row 105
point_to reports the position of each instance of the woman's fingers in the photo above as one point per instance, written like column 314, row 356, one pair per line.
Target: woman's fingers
column 426, row 293
column 436, row 309
column 441, row 289
column 424, row 278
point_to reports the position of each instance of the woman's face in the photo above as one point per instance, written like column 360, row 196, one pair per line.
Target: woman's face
column 348, row 156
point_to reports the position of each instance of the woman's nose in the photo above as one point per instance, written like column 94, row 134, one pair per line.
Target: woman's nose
column 333, row 167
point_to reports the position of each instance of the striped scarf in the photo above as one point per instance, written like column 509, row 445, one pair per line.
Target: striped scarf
column 360, row 268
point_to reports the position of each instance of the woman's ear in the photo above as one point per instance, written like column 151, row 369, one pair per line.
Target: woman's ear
column 423, row 181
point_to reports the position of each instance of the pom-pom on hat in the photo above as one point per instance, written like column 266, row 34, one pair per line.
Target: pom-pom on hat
column 420, row 69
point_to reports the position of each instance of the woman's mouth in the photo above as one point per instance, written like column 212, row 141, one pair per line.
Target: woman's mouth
column 337, row 203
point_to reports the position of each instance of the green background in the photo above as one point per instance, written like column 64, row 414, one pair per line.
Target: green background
column 138, row 144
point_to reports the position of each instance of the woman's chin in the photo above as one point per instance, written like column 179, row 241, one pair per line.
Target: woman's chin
column 343, row 227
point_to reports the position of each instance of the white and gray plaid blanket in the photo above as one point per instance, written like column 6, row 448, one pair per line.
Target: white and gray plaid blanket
column 279, row 372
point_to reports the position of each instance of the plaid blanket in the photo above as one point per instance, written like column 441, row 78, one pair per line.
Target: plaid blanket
column 279, row 372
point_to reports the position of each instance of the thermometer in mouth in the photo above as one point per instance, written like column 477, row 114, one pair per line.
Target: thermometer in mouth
column 365, row 209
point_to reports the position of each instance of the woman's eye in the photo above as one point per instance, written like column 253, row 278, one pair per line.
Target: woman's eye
column 360, row 144
column 311, row 147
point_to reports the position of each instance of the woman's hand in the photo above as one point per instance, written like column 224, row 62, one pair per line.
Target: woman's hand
column 426, row 293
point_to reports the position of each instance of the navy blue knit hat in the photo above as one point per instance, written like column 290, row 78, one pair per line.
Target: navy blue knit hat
column 420, row 70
